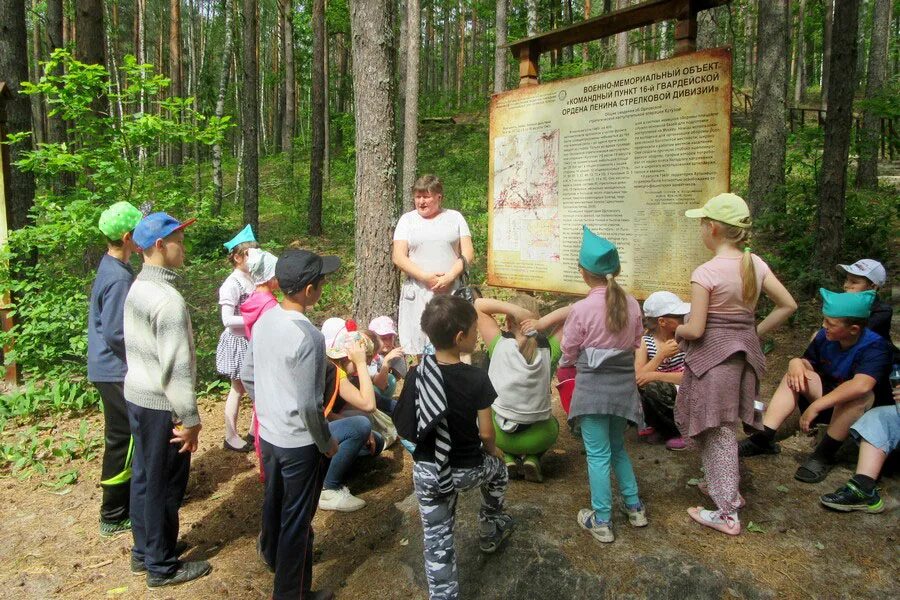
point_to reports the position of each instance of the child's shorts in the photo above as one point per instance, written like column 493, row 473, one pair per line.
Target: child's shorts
column 880, row 427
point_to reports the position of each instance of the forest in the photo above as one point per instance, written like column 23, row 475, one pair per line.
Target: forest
column 311, row 119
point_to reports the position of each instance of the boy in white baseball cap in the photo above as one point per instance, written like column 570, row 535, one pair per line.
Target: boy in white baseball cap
column 869, row 274
column 659, row 364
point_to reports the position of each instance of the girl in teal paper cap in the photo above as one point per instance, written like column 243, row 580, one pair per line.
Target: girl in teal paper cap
column 599, row 339
column 233, row 341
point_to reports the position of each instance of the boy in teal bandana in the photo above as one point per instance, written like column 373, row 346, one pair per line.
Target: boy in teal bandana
column 843, row 371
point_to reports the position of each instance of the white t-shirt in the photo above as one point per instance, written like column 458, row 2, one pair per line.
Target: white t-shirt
column 232, row 293
column 433, row 243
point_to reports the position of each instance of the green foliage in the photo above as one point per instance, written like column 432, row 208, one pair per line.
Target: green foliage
column 108, row 158
column 36, row 448
column 48, row 397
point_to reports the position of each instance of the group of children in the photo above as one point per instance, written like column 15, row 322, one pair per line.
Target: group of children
column 690, row 371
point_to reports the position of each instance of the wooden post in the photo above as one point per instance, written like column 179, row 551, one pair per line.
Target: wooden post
column 686, row 28
column 529, row 64
column 6, row 320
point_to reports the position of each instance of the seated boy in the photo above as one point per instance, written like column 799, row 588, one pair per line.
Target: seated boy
column 878, row 432
column 445, row 408
column 868, row 274
column 389, row 363
column 843, row 370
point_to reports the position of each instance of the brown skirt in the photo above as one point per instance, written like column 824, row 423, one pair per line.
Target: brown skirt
column 723, row 396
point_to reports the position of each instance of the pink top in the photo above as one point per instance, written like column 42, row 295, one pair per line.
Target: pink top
column 254, row 307
column 721, row 277
column 586, row 327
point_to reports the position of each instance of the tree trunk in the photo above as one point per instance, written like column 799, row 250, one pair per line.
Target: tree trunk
column 375, row 184
column 411, row 128
column 870, row 131
column 428, row 86
column 838, row 123
column 287, row 126
column 500, row 61
column 799, row 62
column 14, row 70
column 343, row 80
column 445, row 51
column 461, row 52
column 37, row 105
column 220, row 108
column 89, row 39
column 400, row 103
column 250, row 113
column 622, row 40
column 175, row 73
column 531, row 6
column 586, row 47
column 769, row 134
column 326, row 100
column 318, row 118
column 749, row 59
column 56, row 127
column 826, row 51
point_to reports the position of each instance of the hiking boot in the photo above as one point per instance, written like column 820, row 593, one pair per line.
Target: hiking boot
column 499, row 530
column 850, row 497
column 637, row 515
column 601, row 530
column 340, row 500
column 531, row 467
column 814, row 470
column 513, row 471
column 187, row 571
column 747, row 447
column 676, row 444
column 112, row 529
column 139, row 568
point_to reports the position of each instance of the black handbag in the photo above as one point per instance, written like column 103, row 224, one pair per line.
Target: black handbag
column 465, row 291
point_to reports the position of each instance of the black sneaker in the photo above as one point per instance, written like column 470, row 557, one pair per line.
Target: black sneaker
column 187, row 571
column 139, row 568
column 850, row 497
column 112, row 529
column 747, row 447
column 500, row 530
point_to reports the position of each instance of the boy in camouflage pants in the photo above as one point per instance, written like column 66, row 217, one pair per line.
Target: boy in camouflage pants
column 441, row 402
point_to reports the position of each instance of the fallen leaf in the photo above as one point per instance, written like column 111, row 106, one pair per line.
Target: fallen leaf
column 755, row 528
column 782, row 488
column 117, row 591
column 820, row 545
column 404, row 542
column 694, row 481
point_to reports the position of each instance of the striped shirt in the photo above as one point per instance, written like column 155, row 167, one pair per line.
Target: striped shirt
column 673, row 364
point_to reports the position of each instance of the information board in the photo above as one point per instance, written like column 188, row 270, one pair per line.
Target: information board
column 624, row 152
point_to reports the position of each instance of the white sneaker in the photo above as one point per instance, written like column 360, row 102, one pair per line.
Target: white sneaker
column 341, row 500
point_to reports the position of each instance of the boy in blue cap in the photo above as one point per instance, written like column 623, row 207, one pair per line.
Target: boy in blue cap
column 106, row 362
column 843, row 371
column 161, row 401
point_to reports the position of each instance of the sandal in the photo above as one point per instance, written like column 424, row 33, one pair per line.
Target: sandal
column 814, row 470
column 716, row 520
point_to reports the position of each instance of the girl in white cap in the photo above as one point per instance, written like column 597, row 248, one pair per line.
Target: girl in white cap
column 659, row 364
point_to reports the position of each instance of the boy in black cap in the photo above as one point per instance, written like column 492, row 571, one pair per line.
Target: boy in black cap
column 284, row 373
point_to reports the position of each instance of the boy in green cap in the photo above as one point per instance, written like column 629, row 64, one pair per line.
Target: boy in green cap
column 843, row 371
column 106, row 361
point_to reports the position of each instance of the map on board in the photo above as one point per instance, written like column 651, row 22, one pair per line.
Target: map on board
column 526, row 194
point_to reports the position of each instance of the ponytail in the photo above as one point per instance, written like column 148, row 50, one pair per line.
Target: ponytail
column 748, row 275
column 616, row 305
column 739, row 237
column 529, row 349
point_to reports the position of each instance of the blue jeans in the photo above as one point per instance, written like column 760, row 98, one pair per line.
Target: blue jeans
column 351, row 434
column 604, row 442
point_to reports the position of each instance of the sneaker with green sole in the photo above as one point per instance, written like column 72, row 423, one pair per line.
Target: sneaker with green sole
column 850, row 497
column 112, row 529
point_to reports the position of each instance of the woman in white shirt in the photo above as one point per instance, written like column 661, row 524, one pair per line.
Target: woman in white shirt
column 432, row 245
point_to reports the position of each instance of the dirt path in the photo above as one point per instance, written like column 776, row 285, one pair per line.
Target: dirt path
column 50, row 548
